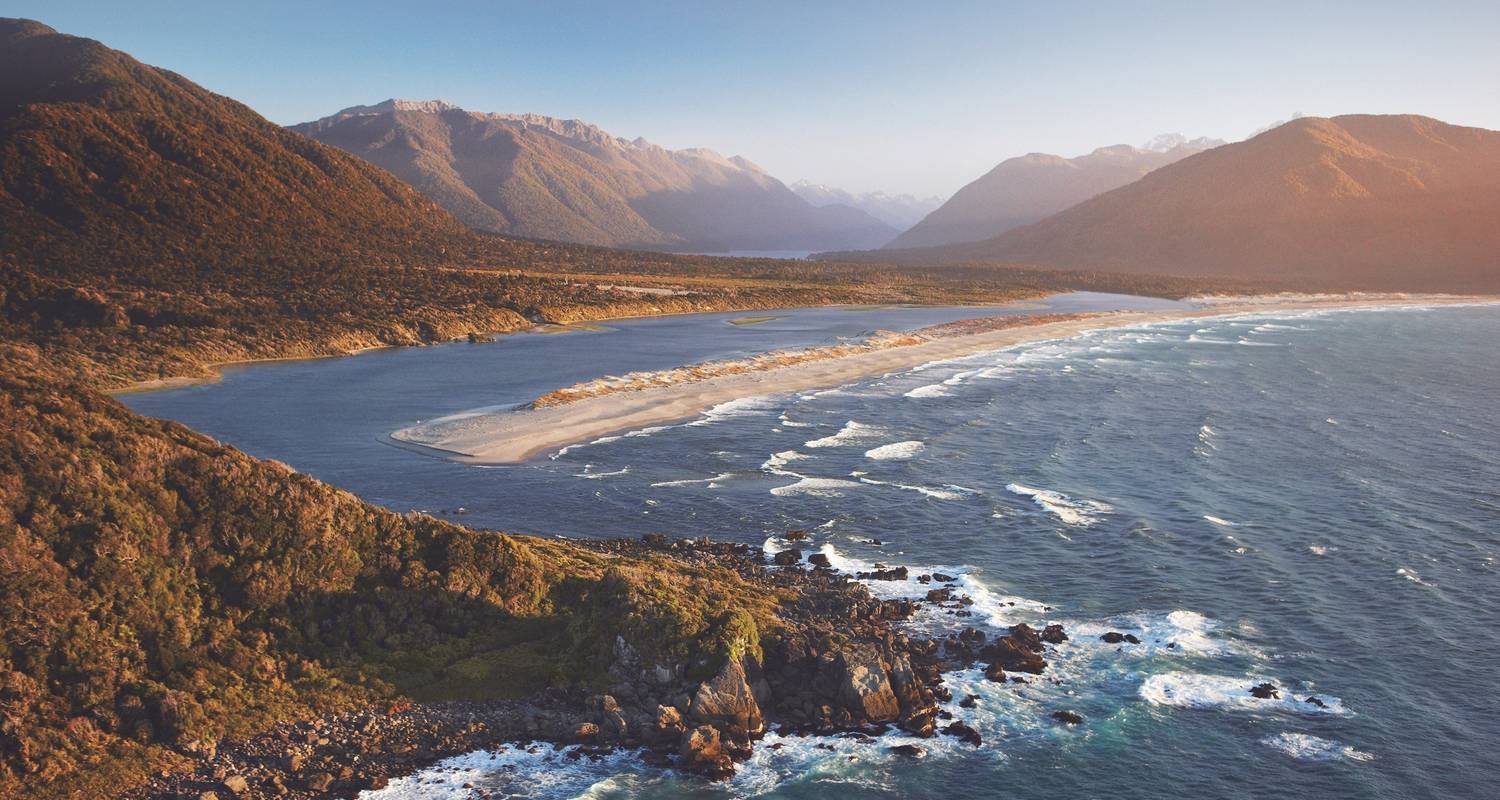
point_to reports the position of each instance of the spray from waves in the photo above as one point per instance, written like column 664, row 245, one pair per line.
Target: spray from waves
column 1223, row 693
column 851, row 433
column 1078, row 513
column 536, row 770
column 898, row 451
column 1180, row 631
column 1313, row 748
column 947, row 492
column 716, row 482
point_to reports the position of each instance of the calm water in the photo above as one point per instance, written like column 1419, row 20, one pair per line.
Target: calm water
column 1310, row 499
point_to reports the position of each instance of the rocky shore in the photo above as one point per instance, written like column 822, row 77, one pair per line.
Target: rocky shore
column 839, row 664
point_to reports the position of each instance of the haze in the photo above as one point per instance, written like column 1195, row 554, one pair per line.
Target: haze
column 857, row 95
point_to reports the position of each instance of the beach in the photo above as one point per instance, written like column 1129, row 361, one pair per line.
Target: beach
column 515, row 435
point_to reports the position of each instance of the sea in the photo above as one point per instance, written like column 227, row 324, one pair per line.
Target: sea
column 1310, row 499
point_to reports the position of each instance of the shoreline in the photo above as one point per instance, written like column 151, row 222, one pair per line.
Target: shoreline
column 517, row 435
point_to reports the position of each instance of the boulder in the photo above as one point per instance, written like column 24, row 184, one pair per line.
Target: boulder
column 939, row 595
column 1053, row 634
column 1265, row 691
column 941, row 578
column 969, row 701
column 1023, row 635
column 910, row 751
column 1068, row 717
column 701, row 751
column 1007, row 653
column 917, row 704
column 820, row 561
column 995, row 672
column 727, row 699
column 1315, row 701
column 884, row 574
column 865, row 688
column 236, row 784
column 787, row 558
column 964, row 733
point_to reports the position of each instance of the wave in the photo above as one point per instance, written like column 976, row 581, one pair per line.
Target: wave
column 757, row 406
column 898, row 451
column 1222, row 693
column 775, row 463
column 1080, row 513
column 1219, row 520
column 818, row 487
column 588, row 472
column 849, row 434
column 1180, row 631
column 786, row 422
column 535, row 770
column 925, row 392
column 1314, row 748
column 715, row 482
column 948, row 492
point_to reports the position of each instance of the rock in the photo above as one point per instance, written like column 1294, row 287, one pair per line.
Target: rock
column 727, row 700
column 584, row 732
column 668, row 726
column 1130, row 637
column 995, row 673
column 917, row 704
column 969, row 702
column 702, row 751
column 939, row 595
column 1265, row 691
column 1053, row 634
column 964, row 733
column 787, row 558
column 1113, row 637
column 319, row 782
column 796, row 536
column 1007, row 653
column 882, row 574
column 910, row 751
column 820, row 561
column 1026, row 637
column 1068, row 717
column 1315, row 701
column 941, row 578
column 865, row 689
column 236, row 784
column 208, row 796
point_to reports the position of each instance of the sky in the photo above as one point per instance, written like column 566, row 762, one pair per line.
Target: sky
column 900, row 97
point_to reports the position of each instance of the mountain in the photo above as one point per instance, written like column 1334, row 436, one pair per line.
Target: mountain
column 1022, row 190
column 104, row 159
column 900, row 211
column 540, row 177
column 1361, row 201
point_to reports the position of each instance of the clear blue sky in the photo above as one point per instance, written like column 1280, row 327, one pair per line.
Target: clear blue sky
column 901, row 96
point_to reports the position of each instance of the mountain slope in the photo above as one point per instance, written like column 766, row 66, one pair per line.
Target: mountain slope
column 1376, row 202
column 1023, row 190
column 103, row 158
column 540, row 177
column 900, row 211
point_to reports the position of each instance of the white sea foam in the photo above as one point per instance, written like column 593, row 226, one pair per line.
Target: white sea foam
column 1179, row 631
column 897, row 451
column 947, row 492
column 930, row 391
column 1223, row 693
column 517, row 771
column 1411, row 575
column 818, row 487
column 1314, row 748
column 791, row 423
column 775, row 463
column 757, row 406
column 1080, row 513
column 715, row 482
column 851, row 433
column 589, row 473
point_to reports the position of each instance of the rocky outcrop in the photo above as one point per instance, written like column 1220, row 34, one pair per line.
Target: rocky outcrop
column 865, row 686
column 728, row 701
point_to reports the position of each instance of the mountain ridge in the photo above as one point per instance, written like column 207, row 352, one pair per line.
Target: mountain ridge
column 543, row 177
column 1028, row 188
column 1386, row 202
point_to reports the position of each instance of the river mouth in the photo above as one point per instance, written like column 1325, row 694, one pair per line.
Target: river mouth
column 1255, row 499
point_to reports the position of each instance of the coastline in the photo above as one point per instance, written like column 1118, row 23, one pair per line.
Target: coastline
column 514, row 436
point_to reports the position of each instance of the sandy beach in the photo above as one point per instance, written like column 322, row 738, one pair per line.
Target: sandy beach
column 513, row 436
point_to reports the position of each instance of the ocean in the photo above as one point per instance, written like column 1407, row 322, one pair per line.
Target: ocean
column 1310, row 499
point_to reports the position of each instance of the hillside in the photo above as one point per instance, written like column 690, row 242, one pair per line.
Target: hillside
column 540, row 177
column 1369, row 202
column 1023, row 190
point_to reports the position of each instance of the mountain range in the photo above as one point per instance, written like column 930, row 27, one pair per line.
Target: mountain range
column 1025, row 189
column 900, row 211
column 540, row 177
column 1397, row 202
